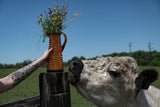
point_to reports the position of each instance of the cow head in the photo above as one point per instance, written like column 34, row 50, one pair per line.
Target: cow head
column 109, row 81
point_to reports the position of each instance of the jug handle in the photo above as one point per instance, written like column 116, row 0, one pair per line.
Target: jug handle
column 64, row 44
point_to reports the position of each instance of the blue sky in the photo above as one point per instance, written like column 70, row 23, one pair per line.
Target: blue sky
column 105, row 26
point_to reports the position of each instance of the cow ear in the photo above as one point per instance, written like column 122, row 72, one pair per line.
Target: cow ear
column 145, row 78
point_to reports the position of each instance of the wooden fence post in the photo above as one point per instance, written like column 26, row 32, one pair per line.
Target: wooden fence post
column 54, row 90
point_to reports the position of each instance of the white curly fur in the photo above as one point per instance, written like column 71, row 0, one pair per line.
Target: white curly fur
column 104, row 90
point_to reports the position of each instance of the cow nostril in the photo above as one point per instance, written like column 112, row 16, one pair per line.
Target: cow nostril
column 75, row 63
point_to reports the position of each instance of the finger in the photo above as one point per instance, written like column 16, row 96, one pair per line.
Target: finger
column 50, row 49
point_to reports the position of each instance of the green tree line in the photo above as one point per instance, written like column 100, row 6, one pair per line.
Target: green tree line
column 143, row 58
column 17, row 65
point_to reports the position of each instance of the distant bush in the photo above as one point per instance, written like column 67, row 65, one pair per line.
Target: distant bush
column 17, row 65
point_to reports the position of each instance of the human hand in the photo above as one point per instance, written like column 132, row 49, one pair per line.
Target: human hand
column 45, row 56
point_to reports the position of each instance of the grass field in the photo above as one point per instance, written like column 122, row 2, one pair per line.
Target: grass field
column 30, row 87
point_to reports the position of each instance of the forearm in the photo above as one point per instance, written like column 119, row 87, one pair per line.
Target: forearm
column 16, row 77
column 19, row 75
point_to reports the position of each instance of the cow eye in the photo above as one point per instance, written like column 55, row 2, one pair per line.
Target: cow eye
column 114, row 73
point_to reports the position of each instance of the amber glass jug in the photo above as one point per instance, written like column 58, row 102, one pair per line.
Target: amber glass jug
column 55, row 62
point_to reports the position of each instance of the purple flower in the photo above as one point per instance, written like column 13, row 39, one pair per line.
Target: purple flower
column 50, row 11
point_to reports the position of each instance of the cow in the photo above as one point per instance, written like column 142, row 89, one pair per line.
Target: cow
column 114, row 82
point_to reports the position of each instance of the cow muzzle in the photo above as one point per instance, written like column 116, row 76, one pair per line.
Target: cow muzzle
column 75, row 70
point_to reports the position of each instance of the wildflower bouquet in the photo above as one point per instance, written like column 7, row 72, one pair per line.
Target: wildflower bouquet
column 54, row 21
